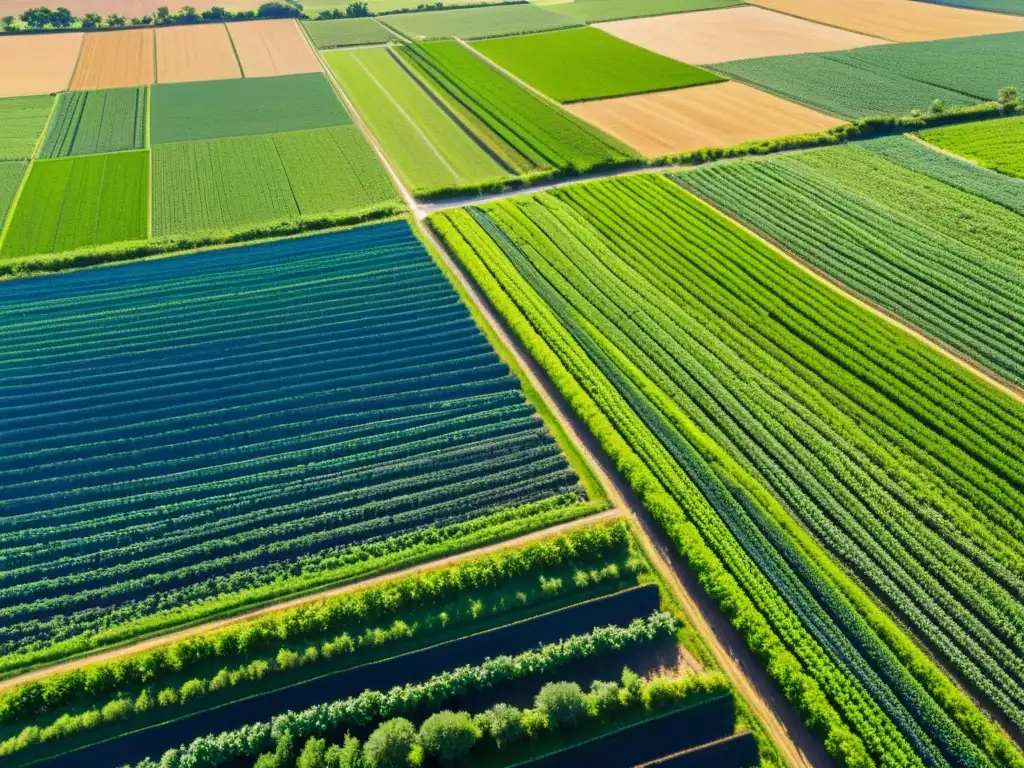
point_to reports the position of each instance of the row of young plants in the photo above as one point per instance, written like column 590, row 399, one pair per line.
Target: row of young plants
column 914, row 695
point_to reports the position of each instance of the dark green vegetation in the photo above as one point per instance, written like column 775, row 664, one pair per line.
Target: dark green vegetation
column 999, row 145
column 223, row 108
column 519, row 126
column 338, row 412
column 74, row 202
column 999, row 6
column 949, row 262
column 781, row 435
column 476, row 23
column 587, row 63
column 591, row 11
column 225, row 184
column 337, row 33
column 22, row 120
column 89, row 122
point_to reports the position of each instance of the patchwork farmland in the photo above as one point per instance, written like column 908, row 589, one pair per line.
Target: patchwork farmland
column 522, row 385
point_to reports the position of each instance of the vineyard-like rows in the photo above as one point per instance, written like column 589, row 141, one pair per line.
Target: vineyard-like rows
column 174, row 433
column 948, row 261
column 751, row 406
column 995, row 145
column 88, row 122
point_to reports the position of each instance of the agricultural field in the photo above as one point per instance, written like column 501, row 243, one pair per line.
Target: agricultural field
column 224, row 108
column 511, row 117
column 996, row 145
column 427, row 146
column 338, row 412
column 339, row 33
column 37, row 64
column 91, row 122
column 747, row 32
column 718, row 115
column 476, row 23
column 999, row 6
column 190, row 53
column 778, row 431
column 122, row 59
column 74, row 202
column 593, row 11
column 235, row 183
column 272, row 47
column 11, row 174
column 584, row 64
column 22, row 120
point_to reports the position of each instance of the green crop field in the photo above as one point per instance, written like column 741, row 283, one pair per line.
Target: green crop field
column 429, row 148
column 223, row 108
column 587, row 63
column 22, row 120
column 337, row 33
column 999, row 6
column 777, row 431
column 537, row 130
column 593, row 11
column 998, row 145
column 69, row 203
column 11, row 173
column 225, row 184
column 475, row 23
column 949, row 262
column 91, row 122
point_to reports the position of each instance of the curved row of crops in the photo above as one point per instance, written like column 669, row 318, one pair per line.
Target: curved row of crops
column 748, row 405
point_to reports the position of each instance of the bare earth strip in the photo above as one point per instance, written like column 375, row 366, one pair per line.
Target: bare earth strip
column 37, row 64
column 276, row 47
column 115, row 60
column 717, row 115
column 709, row 37
column 188, row 54
column 903, row 21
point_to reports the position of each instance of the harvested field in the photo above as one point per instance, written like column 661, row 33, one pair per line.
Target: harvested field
column 709, row 37
column 591, row 11
column 37, row 64
column 275, row 47
column 199, row 52
column 338, row 33
column 22, row 120
column 90, row 122
column 717, row 115
column 115, row 60
column 477, row 23
column 898, row 20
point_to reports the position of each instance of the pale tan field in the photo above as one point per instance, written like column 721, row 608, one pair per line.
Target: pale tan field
column 36, row 64
column 275, row 47
column 708, row 37
column 717, row 115
column 898, row 20
column 187, row 54
column 115, row 60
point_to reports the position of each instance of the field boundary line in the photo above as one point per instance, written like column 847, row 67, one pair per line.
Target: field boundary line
column 884, row 40
column 234, row 50
column 514, row 78
column 9, row 213
column 947, row 351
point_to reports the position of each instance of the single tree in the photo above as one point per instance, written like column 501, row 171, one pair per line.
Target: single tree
column 91, row 21
column 37, row 18
column 390, row 744
column 562, row 703
column 115, row 20
column 62, row 18
column 448, row 736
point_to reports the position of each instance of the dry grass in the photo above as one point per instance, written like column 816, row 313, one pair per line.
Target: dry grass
column 899, row 20
column 709, row 37
column 717, row 115
column 36, row 64
column 275, row 47
column 115, row 60
column 187, row 54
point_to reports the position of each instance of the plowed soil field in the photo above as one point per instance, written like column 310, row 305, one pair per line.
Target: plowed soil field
column 276, row 47
column 115, row 60
column 201, row 52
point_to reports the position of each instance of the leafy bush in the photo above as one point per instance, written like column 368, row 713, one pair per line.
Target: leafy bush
column 448, row 736
column 562, row 703
column 389, row 745
column 502, row 723
column 313, row 755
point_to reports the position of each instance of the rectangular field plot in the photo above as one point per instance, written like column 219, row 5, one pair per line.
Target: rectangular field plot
column 717, row 115
column 734, row 33
column 338, row 33
column 475, row 23
column 592, row 11
column 222, row 108
column 998, row 6
column 582, row 64
column 22, row 120
column 189, row 53
column 223, row 184
column 998, row 144
column 272, row 47
column 75, row 202
column 258, row 418
column 11, row 173
column 90, row 122
column 115, row 60
column 427, row 146
column 37, row 64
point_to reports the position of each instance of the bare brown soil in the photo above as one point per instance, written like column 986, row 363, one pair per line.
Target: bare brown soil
column 747, row 32
column 115, row 60
column 187, row 54
column 275, row 47
column 717, row 115
column 899, row 20
column 37, row 64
